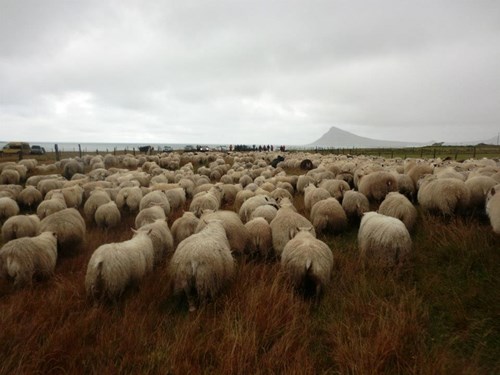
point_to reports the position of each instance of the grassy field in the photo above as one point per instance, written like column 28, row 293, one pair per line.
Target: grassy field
column 439, row 315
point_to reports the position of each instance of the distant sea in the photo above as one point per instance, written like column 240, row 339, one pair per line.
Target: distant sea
column 105, row 147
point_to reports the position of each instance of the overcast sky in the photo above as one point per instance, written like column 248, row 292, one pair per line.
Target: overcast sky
column 253, row 72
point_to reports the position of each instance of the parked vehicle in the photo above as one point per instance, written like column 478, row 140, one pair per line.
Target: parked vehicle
column 188, row 148
column 37, row 150
column 202, row 148
column 167, row 149
column 17, row 148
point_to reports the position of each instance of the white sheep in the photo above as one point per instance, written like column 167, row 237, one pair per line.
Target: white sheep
column 479, row 187
column 493, row 208
column 184, row 226
column 397, row 205
column 336, row 188
column 210, row 200
column 285, row 224
column 69, row 226
column 163, row 241
column 312, row 195
column 129, row 198
column 8, row 208
column 114, row 266
column 54, row 203
column 202, row 265
column 308, row 262
column 10, row 191
column 376, row 185
column 355, row 205
column 46, row 185
column 261, row 237
column 252, row 203
column 30, row 197
column 149, row 215
column 20, row 226
column 384, row 240
column 328, row 214
column 107, row 215
column 267, row 211
column 443, row 195
column 155, row 198
column 28, row 257
column 97, row 198
column 176, row 197
column 10, row 176
column 236, row 232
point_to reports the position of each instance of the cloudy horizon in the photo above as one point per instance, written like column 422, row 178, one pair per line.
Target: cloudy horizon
column 228, row 72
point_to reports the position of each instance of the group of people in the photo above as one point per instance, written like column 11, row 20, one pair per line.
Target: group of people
column 255, row 148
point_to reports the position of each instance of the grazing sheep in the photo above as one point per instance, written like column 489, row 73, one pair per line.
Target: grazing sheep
column 210, row 200
column 71, row 168
column 97, row 198
column 241, row 197
column 336, row 188
column 73, row 195
column 267, row 211
column 155, row 198
column 114, row 266
column 384, row 240
column 443, row 195
column 10, row 176
column 20, row 226
column 129, row 198
column 397, row 205
column 107, row 215
column 285, row 224
column 149, row 215
column 184, row 226
column 479, row 187
column 376, row 185
column 69, row 226
column 30, row 197
column 355, row 205
column 312, row 195
column 236, row 232
column 304, row 181
column 308, row 262
column 418, row 171
column 28, row 257
column 46, row 185
column 8, row 208
column 406, row 186
column 328, row 214
column 493, row 208
column 162, row 239
column 54, row 203
column 176, row 198
column 202, row 265
column 10, row 191
column 252, row 203
column 261, row 238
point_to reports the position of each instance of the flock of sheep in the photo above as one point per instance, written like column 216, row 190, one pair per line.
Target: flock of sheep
column 235, row 204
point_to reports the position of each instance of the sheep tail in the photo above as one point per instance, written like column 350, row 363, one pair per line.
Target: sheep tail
column 308, row 264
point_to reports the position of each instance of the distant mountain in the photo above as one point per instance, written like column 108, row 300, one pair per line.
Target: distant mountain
column 338, row 138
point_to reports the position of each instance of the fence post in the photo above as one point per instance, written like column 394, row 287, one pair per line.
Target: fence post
column 79, row 150
column 56, row 148
column 434, row 154
column 474, row 152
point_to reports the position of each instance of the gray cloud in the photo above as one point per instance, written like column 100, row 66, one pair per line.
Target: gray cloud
column 248, row 72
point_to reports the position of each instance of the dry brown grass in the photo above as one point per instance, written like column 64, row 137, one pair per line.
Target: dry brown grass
column 438, row 315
